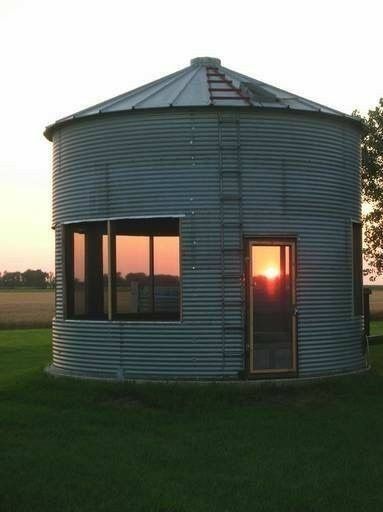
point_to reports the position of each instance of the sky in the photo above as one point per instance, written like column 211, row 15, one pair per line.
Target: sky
column 59, row 57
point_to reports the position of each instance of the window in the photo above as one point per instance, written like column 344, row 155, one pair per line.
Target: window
column 140, row 282
column 357, row 269
column 86, row 270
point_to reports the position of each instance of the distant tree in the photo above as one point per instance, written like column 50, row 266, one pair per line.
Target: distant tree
column 35, row 278
column 11, row 279
column 167, row 280
column 120, row 281
column 51, row 280
column 372, row 187
column 135, row 276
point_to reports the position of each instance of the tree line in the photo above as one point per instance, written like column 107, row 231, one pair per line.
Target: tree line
column 28, row 279
column 372, row 187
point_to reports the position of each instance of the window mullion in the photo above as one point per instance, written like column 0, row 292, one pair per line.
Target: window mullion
column 151, row 272
column 111, row 270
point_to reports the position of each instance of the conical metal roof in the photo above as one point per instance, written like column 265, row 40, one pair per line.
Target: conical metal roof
column 202, row 84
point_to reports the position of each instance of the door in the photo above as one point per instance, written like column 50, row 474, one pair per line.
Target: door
column 272, row 309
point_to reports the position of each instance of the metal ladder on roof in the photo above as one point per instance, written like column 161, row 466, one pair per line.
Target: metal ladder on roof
column 221, row 88
column 230, row 183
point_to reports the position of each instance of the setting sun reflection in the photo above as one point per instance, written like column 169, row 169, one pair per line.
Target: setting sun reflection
column 266, row 261
column 271, row 272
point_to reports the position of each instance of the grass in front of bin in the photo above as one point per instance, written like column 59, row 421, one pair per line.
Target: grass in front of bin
column 71, row 445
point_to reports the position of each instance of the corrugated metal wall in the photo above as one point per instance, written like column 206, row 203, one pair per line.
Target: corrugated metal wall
column 300, row 176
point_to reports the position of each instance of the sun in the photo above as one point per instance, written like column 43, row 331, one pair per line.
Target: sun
column 271, row 272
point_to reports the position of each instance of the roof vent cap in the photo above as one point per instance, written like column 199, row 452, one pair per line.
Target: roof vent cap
column 206, row 61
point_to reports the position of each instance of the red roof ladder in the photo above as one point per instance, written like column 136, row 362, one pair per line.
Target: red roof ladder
column 214, row 77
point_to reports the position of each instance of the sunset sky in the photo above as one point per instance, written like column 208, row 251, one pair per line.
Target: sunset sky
column 132, row 255
column 58, row 57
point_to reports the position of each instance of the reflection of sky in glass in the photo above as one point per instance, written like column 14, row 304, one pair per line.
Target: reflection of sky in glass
column 166, row 255
column 79, row 256
column 265, row 258
column 132, row 254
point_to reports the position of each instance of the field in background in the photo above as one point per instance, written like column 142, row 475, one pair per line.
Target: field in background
column 21, row 308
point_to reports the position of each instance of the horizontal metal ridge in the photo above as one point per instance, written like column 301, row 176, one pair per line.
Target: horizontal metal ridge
column 233, row 327
column 230, row 197
column 229, row 147
column 231, row 275
column 232, row 249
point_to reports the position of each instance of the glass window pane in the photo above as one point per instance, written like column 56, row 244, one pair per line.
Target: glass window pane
column 272, row 307
column 166, row 274
column 79, row 273
column 86, row 266
column 133, row 288
column 287, row 259
column 105, row 264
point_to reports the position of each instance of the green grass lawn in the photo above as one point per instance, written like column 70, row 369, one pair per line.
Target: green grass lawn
column 68, row 445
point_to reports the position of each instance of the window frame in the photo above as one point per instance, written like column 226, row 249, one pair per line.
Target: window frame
column 112, row 315
column 69, row 229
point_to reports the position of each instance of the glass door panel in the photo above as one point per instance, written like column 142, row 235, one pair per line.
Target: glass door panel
column 272, row 308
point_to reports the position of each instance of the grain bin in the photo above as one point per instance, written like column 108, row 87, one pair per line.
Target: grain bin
column 207, row 227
